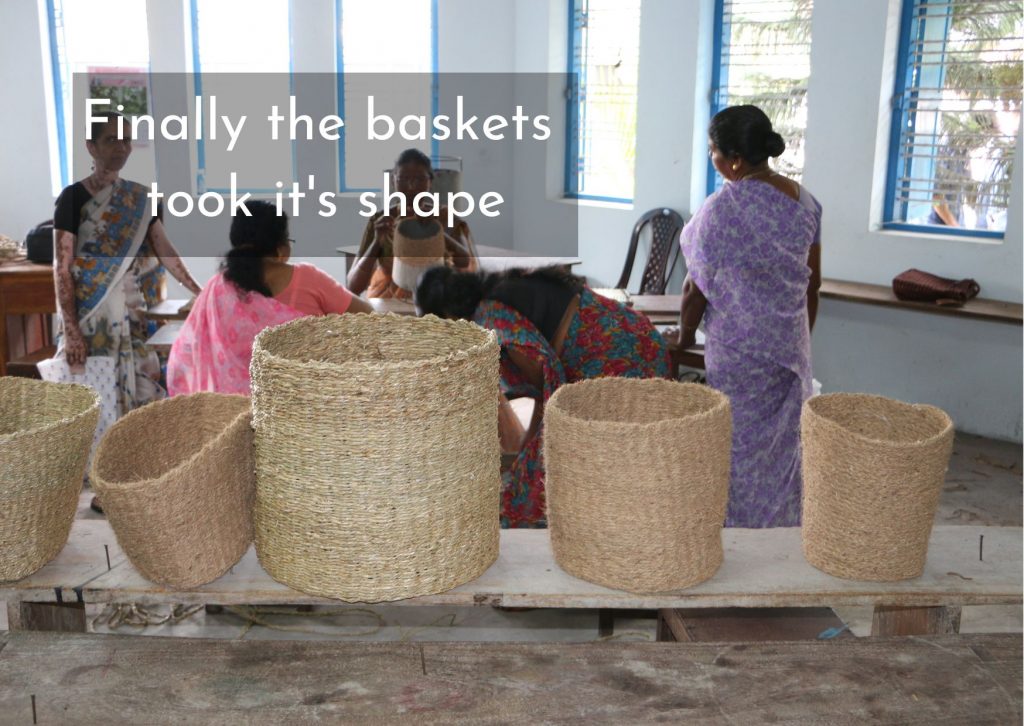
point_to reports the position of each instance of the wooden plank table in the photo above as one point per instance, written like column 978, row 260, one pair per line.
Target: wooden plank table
column 762, row 568
column 56, row 678
column 162, row 340
column 168, row 310
column 26, row 288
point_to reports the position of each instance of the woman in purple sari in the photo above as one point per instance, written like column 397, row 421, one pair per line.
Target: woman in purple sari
column 753, row 254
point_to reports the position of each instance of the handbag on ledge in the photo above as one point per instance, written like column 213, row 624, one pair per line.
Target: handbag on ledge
column 920, row 286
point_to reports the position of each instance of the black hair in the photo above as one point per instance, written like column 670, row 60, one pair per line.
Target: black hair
column 102, row 119
column 252, row 239
column 448, row 293
column 746, row 132
column 415, row 156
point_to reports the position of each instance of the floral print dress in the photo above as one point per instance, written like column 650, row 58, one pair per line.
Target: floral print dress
column 604, row 339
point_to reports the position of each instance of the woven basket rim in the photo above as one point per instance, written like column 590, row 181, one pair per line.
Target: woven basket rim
column 721, row 402
column 148, row 410
column 57, row 423
column 811, row 403
column 259, row 349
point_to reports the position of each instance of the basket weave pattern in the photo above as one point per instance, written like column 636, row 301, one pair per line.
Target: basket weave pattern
column 637, row 478
column 177, row 482
column 45, row 433
column 377, row 454
column 416, row 247
column 873, row 473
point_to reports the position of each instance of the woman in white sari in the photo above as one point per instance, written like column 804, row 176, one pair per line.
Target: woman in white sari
column 107, row 246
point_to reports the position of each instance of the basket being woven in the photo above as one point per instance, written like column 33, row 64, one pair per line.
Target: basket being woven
column 177, row 482
column 377, row 455
column 45, row 433
column 873, row 471
column 637, row 478
column 417, row 245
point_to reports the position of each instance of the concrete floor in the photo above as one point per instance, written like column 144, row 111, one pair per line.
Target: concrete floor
column 983, row 487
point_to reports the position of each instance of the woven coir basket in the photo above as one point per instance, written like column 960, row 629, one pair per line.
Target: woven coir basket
column 377, row 456
column 45, row 433
column 637, row 478
column 417, row 246
column 873, row 472
column 177, row 482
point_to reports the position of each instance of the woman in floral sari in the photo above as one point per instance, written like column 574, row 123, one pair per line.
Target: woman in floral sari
column 753, row 254
column 553, row 330
column 109, row 248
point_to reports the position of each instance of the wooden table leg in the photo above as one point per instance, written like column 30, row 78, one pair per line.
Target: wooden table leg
column 671, row 628
column 891, row 620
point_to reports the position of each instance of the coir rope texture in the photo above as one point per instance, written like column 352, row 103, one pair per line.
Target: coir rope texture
column 177, row 482
column 46, row 430
column 873, row 471
column 377, row 454
column 637, row 477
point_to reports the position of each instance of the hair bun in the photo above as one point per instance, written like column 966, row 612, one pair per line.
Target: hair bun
column 774, row 144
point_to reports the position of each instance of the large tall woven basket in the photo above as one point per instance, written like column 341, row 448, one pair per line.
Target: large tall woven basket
column 873, row 471
column 377, row 454
column 45, row 433
column 177, row 482
column 637, row 478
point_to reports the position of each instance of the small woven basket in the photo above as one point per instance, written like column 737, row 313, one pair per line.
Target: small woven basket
column 377, row 455
column 45, row 433
column 177, row 482
column 873, row 471
column 637, row 478
column 417, row 246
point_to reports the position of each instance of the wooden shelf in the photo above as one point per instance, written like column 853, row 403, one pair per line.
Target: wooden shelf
column 868, row 294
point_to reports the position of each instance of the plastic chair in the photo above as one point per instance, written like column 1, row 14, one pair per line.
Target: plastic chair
column 666, row 225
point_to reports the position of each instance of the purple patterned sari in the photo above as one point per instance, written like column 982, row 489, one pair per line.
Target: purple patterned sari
column 746, row 250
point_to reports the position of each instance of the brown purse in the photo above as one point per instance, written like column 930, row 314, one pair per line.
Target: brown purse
column 921, row 286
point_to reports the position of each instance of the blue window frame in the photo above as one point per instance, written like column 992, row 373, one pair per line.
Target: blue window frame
column 370, row 26
column 78, row 44
column 219, row 48
column 762, row 56
column 603, row 66
column 956, row 114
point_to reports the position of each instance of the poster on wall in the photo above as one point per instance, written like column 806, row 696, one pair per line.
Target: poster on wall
column 123, row 86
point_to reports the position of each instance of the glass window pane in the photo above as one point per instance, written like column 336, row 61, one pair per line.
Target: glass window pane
column 766, row 61
column 606, row 53
column 957, row 114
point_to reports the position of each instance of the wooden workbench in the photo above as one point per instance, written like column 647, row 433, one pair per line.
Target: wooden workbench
column 762, row 568
column 50, row 678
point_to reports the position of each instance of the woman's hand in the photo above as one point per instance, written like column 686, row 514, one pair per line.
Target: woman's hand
column 75, row 350
column 170, row 259
column 384, row 227
column 682, row 338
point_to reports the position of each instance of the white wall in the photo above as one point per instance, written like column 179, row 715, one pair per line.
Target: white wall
column 971, row 368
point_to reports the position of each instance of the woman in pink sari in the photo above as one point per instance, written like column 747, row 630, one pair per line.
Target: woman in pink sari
column 256, row 288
